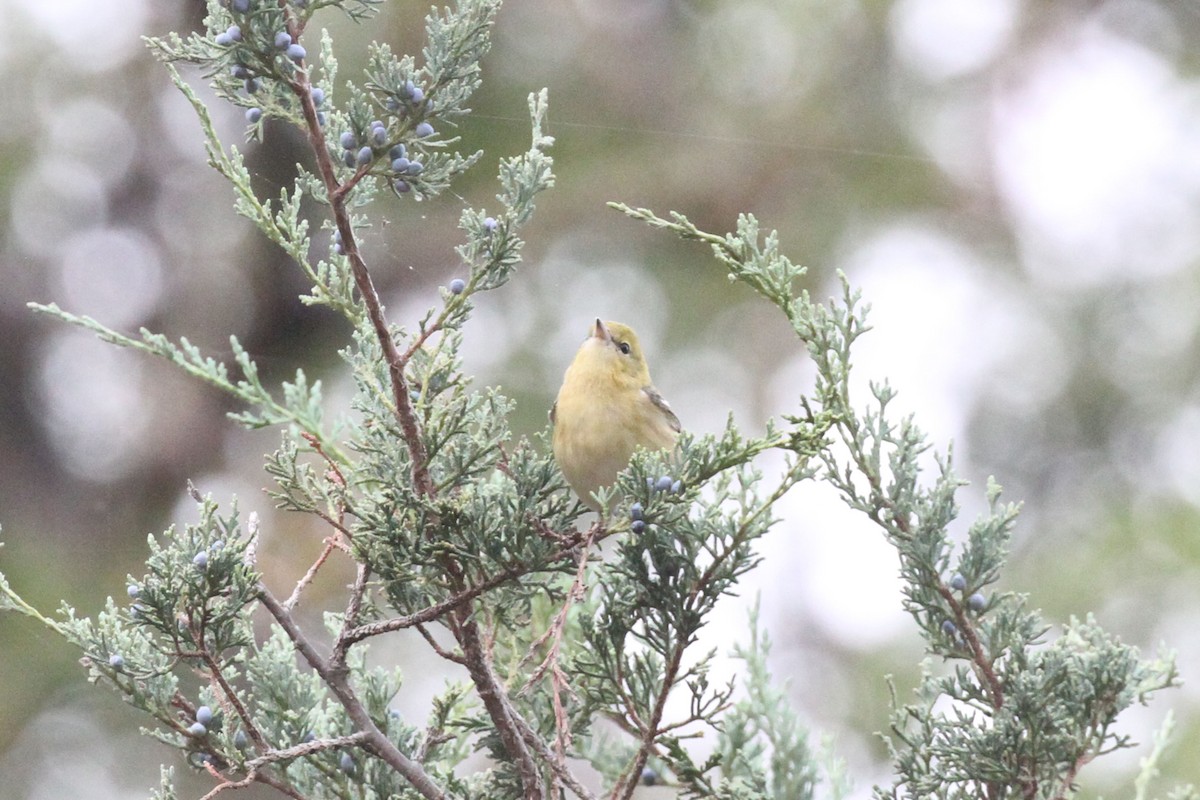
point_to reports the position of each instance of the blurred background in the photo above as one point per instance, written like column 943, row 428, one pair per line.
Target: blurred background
column 1014, row 185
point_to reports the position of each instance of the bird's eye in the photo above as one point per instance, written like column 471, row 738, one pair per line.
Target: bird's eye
column 623, row 347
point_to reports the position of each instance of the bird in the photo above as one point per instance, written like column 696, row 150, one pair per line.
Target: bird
column 606, row 409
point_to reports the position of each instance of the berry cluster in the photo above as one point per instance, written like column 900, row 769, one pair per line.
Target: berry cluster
column 135, row 612
column 409, row 98
column 402, row 166
column 665, row 483
column 258, row 50
column 637, row 521
column 358, row 153
column 271, row 44
column 976, row 602
column 231, row 36
column 204, row 721
column 250, row 82
column 200, row 560
column 293, row 50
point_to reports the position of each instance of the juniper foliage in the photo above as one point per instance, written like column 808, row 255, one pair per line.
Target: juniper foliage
column 473, row 540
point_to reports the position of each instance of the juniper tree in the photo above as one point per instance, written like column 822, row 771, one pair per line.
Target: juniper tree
column 471, row 538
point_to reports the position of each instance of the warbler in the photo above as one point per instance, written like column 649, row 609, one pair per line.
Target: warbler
column 606, row 409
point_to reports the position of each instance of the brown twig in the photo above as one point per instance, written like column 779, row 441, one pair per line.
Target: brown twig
column 628, row 781
column 409, row 425
column 478, row 662
column 280, row 786
column 437, row 648
column 253, row 775
column 315, row 443
column 358, row 593
column 569, row 545
column 230, row 696
column 979, row 657
column 308, row 576
column 434, row 736
column 559, row 683
column 336, row 193
column 1069, row 779
column 903, row 528
column 226, row 784
column 559, row 768
column 338, row 680
column 334, row 473
column 308, row 748
column 631, row 716
column 254, row 767
column 466, row 629
column 216, row 675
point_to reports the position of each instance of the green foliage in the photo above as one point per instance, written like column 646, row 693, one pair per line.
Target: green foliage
column 472, row 539
column 761, row 743
column 1014, row 716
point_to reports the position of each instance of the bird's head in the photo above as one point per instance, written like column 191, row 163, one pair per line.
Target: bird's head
column 614, row 348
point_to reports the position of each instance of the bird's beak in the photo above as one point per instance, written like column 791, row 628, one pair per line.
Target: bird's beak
column 601, row 331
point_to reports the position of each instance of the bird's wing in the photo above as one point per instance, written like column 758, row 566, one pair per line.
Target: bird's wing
column 663, row 406
column 553, row 411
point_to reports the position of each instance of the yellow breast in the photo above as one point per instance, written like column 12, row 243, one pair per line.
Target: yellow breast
column 594, row 440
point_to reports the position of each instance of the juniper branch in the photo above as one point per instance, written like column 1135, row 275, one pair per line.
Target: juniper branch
column 337, row 679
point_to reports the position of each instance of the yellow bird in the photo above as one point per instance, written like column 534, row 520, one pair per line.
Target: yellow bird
column 606, row 409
